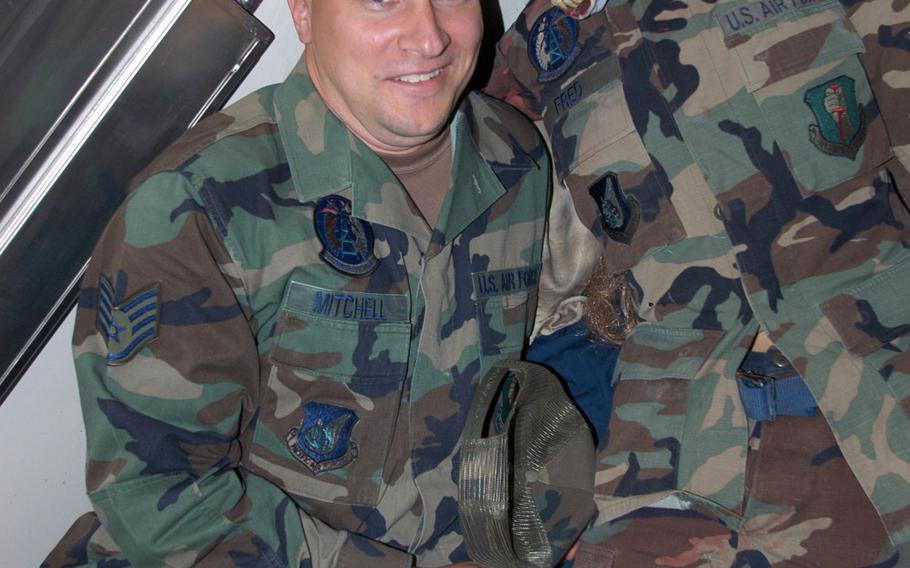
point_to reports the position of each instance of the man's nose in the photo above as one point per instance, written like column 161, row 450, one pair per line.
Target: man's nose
column 423, row 33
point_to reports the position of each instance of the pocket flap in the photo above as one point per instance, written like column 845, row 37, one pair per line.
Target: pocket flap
column 874, row 313
column 788, row 38
column 343, row 334
column 655, row 352
column 599, row 118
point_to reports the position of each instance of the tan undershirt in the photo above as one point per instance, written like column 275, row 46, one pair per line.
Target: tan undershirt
column 425, row 174
column 762, row 342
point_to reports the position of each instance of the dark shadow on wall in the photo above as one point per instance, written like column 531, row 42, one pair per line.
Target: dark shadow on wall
column 493, row 30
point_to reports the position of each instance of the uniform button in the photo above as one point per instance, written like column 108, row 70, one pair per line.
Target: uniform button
column 718, row 212
column 778, row 358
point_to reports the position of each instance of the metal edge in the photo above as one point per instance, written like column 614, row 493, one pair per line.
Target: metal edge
column 136, row 57
column 100, row 99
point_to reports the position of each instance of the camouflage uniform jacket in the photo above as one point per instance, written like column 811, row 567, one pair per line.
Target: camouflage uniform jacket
column 744, row 164
column 276, row 354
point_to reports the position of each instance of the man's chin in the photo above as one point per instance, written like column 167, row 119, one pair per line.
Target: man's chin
column 419, row 132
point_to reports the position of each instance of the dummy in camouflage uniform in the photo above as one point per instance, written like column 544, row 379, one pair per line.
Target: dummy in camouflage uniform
column 744, row 165
column 276, row 354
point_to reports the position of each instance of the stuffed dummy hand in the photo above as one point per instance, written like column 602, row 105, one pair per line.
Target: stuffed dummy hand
column 579, row 9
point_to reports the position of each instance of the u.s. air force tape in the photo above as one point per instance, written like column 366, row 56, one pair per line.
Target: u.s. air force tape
column 527, row 510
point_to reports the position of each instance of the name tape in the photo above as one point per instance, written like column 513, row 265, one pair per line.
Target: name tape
column 508, row 281
column 753, row 15
column 344, row 305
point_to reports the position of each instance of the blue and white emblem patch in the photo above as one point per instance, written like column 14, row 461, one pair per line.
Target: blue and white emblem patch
column 841, row 127
column 323, row 442
column 347, row 241
column 553, row 44
column 130, row 325
column 620, row 213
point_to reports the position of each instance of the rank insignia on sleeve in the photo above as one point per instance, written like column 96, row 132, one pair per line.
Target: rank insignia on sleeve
column 323, row 442
column 620, row 213
column 841, row 121
column 553, row 44
column 346, row 240
column 130, row 325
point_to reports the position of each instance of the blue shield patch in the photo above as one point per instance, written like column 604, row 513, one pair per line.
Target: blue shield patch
column 128, row 326
column 619, row 213
column 323, row 442
column 553, row 44
column 841, row 120
column 346, row 240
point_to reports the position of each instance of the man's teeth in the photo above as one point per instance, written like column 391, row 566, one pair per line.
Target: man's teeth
column 418, row 77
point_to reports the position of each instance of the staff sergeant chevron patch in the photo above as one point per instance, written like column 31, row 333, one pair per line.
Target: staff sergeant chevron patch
column 130, row 325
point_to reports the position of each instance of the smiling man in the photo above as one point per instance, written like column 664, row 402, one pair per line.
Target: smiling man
column 281, row 331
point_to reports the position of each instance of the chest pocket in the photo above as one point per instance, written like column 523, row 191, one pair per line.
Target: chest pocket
column 338, row 362
column 619, row 194
column 799, row 60
column 504, row 306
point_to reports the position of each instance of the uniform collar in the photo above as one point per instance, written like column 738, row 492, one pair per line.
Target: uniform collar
column 326, row 158
column 316, row 143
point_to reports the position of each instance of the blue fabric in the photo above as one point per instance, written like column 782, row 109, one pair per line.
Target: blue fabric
column 769, row 387
column 585, row 365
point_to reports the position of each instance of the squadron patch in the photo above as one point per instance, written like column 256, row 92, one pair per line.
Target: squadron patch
column 347, row 241
column 841, row 127
column 323, row 442
column 128, row 326
column 553, row 44
column 620, row 213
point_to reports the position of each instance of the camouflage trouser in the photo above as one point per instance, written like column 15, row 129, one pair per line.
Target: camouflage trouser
column 803, row 507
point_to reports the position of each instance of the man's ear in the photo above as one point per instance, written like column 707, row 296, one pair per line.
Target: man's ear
column 300, row 12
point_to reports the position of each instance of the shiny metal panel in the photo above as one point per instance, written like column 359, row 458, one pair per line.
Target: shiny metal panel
column 94, row 90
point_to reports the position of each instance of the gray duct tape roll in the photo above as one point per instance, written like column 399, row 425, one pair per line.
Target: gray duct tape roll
column 526, row 469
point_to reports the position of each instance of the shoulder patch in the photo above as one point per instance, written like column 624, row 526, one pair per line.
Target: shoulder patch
column 347, row 241
column 553, row 44
column 127, row 326
column 323, row 442
column 840, row 127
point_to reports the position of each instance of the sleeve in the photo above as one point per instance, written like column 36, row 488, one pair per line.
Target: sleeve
column 168, row 369
column 885, row 29
column 510, row 65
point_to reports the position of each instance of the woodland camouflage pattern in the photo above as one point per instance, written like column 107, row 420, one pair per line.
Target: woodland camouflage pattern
column 744, row 165
column 194, row 453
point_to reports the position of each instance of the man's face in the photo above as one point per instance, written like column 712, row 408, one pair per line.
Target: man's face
column 392, row 70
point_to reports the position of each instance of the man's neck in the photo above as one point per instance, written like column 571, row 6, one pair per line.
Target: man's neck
column 425, row 172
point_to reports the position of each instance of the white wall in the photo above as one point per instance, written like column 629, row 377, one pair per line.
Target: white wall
column 42, row 441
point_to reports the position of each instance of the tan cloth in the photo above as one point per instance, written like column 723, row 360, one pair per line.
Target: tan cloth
column 762, row 342
column 563, row 276
column 425, row 174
